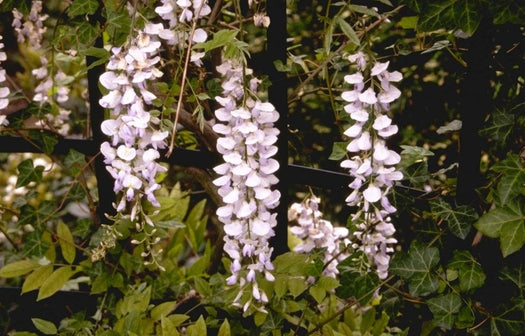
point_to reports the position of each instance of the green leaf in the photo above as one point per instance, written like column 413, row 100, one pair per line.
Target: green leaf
column 35, row 243
column 224, row 330
column 66, row 242
column 87, row 33
column 506, row 223
column 338, row 151
column 348, row 30
column 220, row 38
column 100, row 56
column 45, row 327
column 417, row 267
column 55, row 281
column 459, row 220
column 75, row 161
column 515, row 274
column 509, row 323
column 82, row 7
column 36, row 278
column 512, row 180
column 355, row 278
column 451, row 15
column 500, row 127
column 444, row 308
column 162, row 310
column 170, row 224
column 28, row 173
column 471, row 275
column 18, row 268
column 197, row 329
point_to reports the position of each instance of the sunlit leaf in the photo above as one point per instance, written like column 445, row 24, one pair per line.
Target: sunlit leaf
column 55, row 281
column 45, row 327
column 66, row 242
column 18, row 268
column 36, row 278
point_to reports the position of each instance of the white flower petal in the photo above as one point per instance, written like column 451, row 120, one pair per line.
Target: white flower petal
column 372, row 193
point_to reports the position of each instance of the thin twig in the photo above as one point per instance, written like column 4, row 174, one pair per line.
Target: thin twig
column 183, row 81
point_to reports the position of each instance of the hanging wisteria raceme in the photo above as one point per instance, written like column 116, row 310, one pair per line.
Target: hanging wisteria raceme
column 371, row 163
column 4, row 90
column 135, row 135
column 247, row 144
column 319, row 233
column 32, row 29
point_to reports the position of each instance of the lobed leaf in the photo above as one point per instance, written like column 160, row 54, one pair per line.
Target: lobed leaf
column 444, row 308
column 471, row 275
column 416, row 266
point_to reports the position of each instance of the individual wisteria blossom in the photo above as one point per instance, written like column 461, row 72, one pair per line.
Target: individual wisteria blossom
column 371, row 163
column 316, row 232
column 4, row 90
column 247, row 145
column 135, row 136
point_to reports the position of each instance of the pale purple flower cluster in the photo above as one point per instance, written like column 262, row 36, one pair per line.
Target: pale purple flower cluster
column 316, row 232
column 135, row 136
column 31, row 29
column 247, row 144
column 371, row 163
column 178, row 13
column 4, row 90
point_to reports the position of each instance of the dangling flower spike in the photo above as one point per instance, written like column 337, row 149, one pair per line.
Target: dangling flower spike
column 247, row 144
column 371, row 163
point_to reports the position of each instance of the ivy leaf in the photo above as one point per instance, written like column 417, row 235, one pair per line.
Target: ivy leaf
column 459, row 220
column 355, row 281
column 471, row 274
column 512, row 179
column 416, row 267
column 500, row 127
column 55, row 281
column 338, row 151
column 82, row 7
column 516, row 275
column 444, row 309
column 75, row 161
column 45, row 327
column 509, row 323
column 28, row 173
column 35, row 244
column 506, row 223
column 450, row 14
